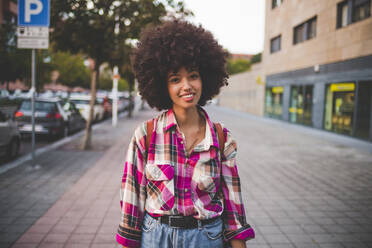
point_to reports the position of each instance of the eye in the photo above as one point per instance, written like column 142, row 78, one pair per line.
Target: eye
column 173, row 80
column 194, row 75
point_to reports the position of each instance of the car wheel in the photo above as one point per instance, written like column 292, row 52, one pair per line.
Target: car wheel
column 13, row 148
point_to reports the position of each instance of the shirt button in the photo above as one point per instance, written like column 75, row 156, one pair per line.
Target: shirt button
column 181, row 141
column 186, row 190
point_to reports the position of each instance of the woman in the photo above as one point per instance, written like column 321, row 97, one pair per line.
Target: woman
column 178, row 188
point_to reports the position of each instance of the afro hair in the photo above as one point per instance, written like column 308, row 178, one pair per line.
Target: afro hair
column 167, row 48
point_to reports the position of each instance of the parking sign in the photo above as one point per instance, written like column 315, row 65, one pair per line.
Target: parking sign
column 33, row 12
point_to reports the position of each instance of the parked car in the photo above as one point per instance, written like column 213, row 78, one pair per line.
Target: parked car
column 10, row 138
column 107, row 105
column 82, row 103
column 52, row 117
column 4, row 93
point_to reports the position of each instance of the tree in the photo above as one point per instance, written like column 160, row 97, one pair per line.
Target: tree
column 71, row 68
column 256, row 58
column 16, row 63
column 105, row 81
column 87, row 27
column 238, row 65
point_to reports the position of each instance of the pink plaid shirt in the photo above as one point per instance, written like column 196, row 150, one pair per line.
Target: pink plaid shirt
column 172, row 183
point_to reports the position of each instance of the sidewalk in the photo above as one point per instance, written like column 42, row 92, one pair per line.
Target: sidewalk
column 73, row 199
column 302, row 188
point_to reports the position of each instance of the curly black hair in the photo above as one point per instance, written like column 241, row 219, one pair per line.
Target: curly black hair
column 167, row 48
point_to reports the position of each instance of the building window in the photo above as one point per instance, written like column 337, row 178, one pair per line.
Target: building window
column 342, row 14
column 274, row 102
column 276, row 3
column 305, row 31
column 275, row 44
column 339, row 108
column 361, row 10
column 351, row 11
column 300, row 110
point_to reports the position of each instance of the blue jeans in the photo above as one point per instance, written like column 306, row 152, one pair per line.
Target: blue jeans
column 159, row 235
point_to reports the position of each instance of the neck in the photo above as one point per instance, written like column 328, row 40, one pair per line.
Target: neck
column 186, row 117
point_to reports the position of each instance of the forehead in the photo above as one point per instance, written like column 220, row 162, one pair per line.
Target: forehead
column 177, row 71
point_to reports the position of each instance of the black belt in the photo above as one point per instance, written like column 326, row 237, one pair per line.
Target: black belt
column 186, row 222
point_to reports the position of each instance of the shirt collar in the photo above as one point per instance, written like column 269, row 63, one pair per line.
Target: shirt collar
column 172, row 122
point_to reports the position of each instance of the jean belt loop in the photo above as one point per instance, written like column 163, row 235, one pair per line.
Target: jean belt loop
column 200, row 226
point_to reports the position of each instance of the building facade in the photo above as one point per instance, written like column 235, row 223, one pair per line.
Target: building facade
column 245, row 92
column 318, row 64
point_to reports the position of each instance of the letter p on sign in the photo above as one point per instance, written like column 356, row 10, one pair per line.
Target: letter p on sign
column 32, row 11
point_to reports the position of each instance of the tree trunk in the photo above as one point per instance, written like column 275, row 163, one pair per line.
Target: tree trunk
column 87, row 140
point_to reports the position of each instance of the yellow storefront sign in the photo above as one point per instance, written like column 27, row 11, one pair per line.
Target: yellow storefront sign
column 342, row 87
column 277, row 90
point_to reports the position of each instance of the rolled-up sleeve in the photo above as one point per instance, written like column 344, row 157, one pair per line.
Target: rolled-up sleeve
column 235, row 223
column 133, row 192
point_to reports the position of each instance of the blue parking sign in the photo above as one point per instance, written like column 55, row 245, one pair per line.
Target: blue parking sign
column 33, row 12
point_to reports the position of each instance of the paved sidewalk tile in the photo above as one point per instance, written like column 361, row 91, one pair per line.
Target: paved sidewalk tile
column 301, row 189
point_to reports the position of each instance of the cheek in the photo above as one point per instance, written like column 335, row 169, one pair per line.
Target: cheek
column 172, row 90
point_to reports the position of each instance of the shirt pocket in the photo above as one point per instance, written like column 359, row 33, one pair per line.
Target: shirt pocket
column 207, row 175
column 160, row 185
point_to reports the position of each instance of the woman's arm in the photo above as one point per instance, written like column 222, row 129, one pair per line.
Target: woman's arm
column 236, row 228
column 133, row 193
column 237, row 243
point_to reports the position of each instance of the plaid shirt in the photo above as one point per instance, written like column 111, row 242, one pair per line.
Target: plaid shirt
column 172, row 183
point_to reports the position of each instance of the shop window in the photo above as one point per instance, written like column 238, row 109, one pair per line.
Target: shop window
column 274, row 102
column 339, row 109
column 351, row 11
column 276, row 3
column 305, row 31
column 275, row 44
column 300, row 110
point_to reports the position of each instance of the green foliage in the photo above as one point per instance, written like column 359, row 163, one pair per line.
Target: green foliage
column 71, row 68
column 256, row 58
column 16, row 63
column 238, row 66
column 87, row 26
column 106, row 82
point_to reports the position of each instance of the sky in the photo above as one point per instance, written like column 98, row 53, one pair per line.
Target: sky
column 238, row 25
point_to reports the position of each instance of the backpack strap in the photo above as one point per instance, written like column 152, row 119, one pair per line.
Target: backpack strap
column 221, row 137
column 150, row 130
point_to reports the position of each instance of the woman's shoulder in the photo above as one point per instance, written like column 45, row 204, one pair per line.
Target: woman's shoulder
column 141, row 129
column 230, row 147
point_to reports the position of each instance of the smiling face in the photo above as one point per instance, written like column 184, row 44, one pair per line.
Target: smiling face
column 185, row 88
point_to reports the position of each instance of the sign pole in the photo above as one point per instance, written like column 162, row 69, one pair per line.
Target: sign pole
column 115, row 97
column 115, row 82
column 33, row 76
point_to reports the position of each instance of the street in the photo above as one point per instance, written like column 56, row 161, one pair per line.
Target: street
column 301, row 187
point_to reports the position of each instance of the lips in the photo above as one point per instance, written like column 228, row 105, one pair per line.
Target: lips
column 188, row 97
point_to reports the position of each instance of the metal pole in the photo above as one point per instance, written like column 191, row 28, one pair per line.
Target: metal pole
column 115, row 82
column 33, row 105
column 33, row 91
column 115, row 98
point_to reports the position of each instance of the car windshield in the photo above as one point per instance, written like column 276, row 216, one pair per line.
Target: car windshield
column 76, row 101
column 39, row 106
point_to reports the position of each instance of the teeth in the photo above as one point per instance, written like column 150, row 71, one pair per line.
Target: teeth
column 188, row 95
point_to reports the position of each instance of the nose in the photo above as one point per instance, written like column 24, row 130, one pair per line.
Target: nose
column 185, row 83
